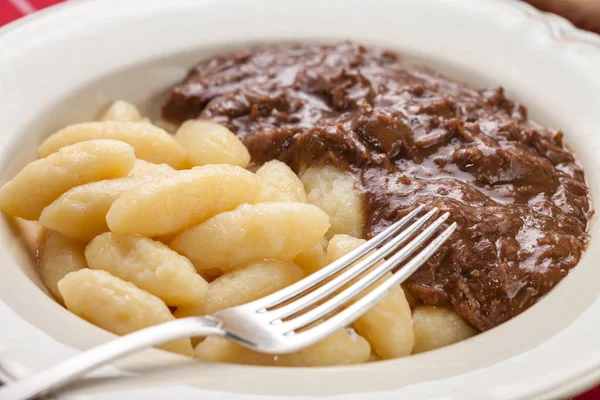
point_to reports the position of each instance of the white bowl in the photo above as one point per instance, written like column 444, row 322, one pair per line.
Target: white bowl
column 62, row 65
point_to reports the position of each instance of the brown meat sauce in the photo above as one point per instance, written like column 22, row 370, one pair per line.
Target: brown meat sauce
column 413, row 137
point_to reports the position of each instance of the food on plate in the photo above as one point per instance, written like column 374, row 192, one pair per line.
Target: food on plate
column 285, row 183
column 80, row 212
column 122, row 111
column 388, row 326
column 58, row 255
column 284, row 158
column 409, row 136
column 437, row 327
column 145, row 168
column 175, row 202
column 150, row 265
column 335, row 192
column 210, row 143
column 313, row 259
column 252, row 232
column 116, row 305
column 244, row 285
column 44, row 180
column 342, row 347
column 150, row 142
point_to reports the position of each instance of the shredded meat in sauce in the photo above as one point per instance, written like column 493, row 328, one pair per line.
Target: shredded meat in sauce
column 412, row 136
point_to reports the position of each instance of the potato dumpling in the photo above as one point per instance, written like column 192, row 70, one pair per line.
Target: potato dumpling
column 122, row 111
column 285, row 184
column 340, row 348
column 388, row 325
column 278, row 230
column 340, row 245
column 187, row 198
column 80, row 212
column 334, row 192
column 43, row 181
column 58, row 256
column 145, row 168
column 115, row 305
column 210, row 143
column 150, row 142
column 313, row 259
column 244, row 285
column 437, row 327
column 150, row 265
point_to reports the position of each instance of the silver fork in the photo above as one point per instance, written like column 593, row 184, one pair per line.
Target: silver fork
column 274, row 324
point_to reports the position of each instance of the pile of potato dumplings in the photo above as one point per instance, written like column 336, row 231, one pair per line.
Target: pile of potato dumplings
column 136, row 222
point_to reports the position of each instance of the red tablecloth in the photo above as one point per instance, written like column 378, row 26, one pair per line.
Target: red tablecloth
column 13, row 9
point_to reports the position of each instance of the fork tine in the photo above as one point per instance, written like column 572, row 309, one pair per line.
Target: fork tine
column 321, row 275
column 354, row 311
column 328, row 288
column 368, row 280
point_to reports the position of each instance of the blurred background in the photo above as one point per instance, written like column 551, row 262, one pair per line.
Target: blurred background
column 582, row 13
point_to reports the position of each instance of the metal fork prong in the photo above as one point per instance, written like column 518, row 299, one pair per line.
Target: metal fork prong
column 355, row 310
column 355, row 289
column 333, row 268
column 351, row 273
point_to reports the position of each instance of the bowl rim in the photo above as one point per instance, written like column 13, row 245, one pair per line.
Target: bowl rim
column 559, row 30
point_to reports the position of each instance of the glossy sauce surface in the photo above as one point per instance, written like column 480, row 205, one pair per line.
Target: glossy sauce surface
column 412, row 136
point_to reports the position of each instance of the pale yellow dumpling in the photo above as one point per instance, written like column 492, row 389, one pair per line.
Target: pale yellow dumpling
column 244, row 285
column 313, row 259
column 43, row 181
column 278, row 230
column 150, row 142
column 150, row 265
column 285, row 183
column 58, row 256
column 122, row 111
column 340, row 348
column 80, row 212
column 388, row 326
column 172, row 203
column 437, row 327
column 145, row 168
column 115, row 305
column 210, row 143
column 335, row 192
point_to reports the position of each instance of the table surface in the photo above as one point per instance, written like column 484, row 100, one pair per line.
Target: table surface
column 583, row 13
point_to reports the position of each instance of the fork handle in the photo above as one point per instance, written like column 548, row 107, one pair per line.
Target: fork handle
column 72, row 368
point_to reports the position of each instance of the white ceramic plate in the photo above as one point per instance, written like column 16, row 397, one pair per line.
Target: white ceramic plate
column 64, row 64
